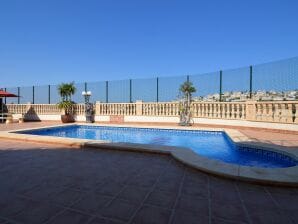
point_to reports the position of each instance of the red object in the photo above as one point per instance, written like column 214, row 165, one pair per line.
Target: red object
column 6, row 94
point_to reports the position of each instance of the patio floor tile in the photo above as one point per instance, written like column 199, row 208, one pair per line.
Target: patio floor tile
column 38, row 213
column 162, row 199
column 91, row 203
column 69, row 216
column 119, row 209
column 133, row 194
column 183, row 216
column 152, row 215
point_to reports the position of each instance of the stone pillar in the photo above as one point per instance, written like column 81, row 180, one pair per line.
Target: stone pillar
column 251, row 110
column 97, row 108
column 139, row 107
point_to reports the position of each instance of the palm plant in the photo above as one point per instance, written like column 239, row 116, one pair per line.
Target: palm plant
column 187, row 89
column 66, row 90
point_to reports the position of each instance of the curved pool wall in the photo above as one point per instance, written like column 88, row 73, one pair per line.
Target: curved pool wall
column 214, row 145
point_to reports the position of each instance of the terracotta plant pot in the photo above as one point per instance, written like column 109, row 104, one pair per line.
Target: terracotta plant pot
column 67, row 118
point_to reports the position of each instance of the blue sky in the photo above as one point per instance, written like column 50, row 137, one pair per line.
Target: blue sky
column 47, row 42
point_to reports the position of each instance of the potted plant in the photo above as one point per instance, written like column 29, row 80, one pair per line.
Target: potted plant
column 66, row 90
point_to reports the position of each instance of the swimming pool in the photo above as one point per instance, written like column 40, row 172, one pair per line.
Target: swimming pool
column 211, row 144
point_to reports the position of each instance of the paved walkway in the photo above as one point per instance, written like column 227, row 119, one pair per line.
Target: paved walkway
column 42, row 183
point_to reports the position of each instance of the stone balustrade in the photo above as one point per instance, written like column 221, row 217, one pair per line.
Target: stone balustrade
column 271, row 111
column 17, row 108
column 79, row 109
column 115, row 108
column 160, row 109
column 276, row 111
column 219, row 110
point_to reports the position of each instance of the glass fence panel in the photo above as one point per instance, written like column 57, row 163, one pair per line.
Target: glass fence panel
column 118, row 91
column 207, row 86
column 26, row 94
column 278, row 80
column 41, row 94
column 77, row 97
column 144, row 89
column 169, row 88
column 98, row 91
column 235, row 84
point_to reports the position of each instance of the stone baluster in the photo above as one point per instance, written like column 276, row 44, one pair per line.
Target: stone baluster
column 207, row 110
column 202, row 109
column 199, row 111
column 112, row 109
column 237, row 112
column 229, row 111
column 224, row 110
column 289, row 113
column 244, row 111
column 108, row 108
column 284, row 113
column 269, row 112
column 212, row 110
column 296, row 113
column 233, row 111
column 264, row 112
column 259, row 112
column 150, row 109
column 145, row 109
column 216, row 110
column 277, row 114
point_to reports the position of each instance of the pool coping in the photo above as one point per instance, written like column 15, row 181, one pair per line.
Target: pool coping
column 276, row 176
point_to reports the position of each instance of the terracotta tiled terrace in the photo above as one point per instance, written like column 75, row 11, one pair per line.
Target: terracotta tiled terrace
column 42, row 183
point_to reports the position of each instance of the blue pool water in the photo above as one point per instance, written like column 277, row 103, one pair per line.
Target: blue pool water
column 214, row 145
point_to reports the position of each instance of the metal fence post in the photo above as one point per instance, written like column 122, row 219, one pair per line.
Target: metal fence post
column 85, row 86
column 130, row 90
column 19, row 92
column 250, row 81
column 220, row 85
column 49, row 94
column 157, row 89
column 107, row 91
column 33, row 95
